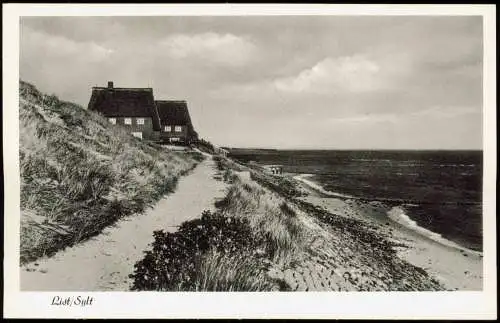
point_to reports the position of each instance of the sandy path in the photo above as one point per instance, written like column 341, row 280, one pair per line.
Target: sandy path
column 104, row 262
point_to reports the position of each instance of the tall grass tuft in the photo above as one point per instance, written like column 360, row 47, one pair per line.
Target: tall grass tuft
column 269, row 215
column 218, row 271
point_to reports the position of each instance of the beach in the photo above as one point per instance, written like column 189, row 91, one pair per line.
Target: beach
column 455, row 267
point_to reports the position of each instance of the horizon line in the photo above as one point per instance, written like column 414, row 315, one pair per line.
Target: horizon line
column 354, row 149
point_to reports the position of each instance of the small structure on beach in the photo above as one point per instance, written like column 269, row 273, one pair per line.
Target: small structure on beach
column 273, row 169
column 221, row 151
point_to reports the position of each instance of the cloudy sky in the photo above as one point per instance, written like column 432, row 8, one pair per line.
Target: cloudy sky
column 288, row 82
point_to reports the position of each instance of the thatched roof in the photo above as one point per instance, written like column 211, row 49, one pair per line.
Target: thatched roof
column 174, row 112
column 125, row 102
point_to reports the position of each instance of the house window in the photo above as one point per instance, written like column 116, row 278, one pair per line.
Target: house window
column 174, row 139
column 127, row 121
column 137, row 134
column 112, row 120
column 140, row 120
column 168, row 128
column 178, row 128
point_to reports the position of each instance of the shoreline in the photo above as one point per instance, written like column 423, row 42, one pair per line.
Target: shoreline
column 395, row 214
column 456, row 267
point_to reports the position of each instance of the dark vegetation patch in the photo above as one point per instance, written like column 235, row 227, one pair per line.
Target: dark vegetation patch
column 279, row 184
column 226, row 164
column 205, row 146
column 213, row 253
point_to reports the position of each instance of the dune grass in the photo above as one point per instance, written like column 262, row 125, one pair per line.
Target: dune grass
column 80, row 174
column 282, row 185
column 218, row 271
column 226, row 164
column 269, row 215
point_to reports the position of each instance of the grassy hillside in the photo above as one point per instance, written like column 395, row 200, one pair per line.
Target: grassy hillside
column 80, row 174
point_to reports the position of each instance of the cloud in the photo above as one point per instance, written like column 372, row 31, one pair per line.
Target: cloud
column 436, row 112
column 348, row 73
column 364, row 118
column 56, row 47
column 78, row 28
column 226, row 49
column 340, row 76
column 446, row 111
column 302, row 79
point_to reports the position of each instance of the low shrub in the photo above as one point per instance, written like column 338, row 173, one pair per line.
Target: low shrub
column 219, row 163
column 196, row 256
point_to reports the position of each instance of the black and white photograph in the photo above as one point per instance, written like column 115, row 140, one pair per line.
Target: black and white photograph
column 291, row 154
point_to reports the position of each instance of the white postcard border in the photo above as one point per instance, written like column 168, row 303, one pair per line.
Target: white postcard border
column 425, row 305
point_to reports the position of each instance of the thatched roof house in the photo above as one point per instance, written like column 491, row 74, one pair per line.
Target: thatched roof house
column 175, row 121
column 131, row 107
column 136, row 109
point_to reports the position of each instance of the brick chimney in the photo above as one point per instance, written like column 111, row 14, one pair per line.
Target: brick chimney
column 110, row 84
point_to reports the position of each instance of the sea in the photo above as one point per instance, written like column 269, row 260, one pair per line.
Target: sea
column 437, row 192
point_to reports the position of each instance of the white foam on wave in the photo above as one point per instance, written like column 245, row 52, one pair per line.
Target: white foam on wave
column 398, row 215
column 303, row 179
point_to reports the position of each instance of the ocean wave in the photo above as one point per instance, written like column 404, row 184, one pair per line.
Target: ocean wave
column 398, row 215
column 303, row 179
column 457, row 165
